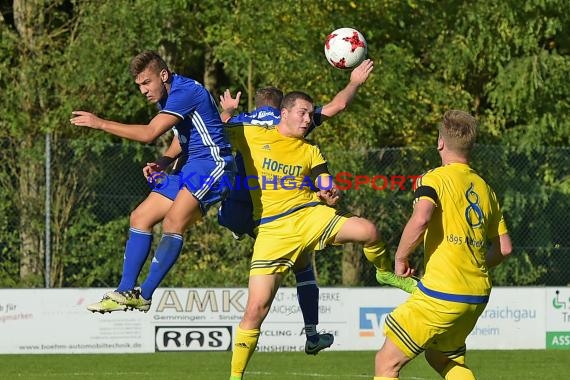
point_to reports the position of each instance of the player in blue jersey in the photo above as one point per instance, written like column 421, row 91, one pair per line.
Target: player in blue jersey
column 189, row 108
column 267, row 102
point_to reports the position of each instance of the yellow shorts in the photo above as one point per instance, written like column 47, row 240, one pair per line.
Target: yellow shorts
column 423, row 322
column 280, row 242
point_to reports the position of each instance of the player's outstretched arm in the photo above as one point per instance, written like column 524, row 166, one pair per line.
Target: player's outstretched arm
column 344, row 97
column 142, row 133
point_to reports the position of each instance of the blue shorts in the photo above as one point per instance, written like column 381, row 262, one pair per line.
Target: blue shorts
column 237, row 216
column 208, row 182
column 236, row 211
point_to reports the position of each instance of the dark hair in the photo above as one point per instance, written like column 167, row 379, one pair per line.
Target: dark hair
column 290, row 99
column 268, row 96
column 147, row 59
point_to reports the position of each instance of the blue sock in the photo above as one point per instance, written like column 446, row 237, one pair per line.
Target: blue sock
column 164, row 258
column 308, row 296
column 136, row 252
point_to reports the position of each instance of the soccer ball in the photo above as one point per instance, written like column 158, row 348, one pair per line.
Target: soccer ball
column 345, row 48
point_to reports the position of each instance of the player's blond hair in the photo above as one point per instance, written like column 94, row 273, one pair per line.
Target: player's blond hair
column 459, row 131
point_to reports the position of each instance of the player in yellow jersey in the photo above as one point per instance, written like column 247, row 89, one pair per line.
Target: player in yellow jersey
column 457, row 215
column 283, row 170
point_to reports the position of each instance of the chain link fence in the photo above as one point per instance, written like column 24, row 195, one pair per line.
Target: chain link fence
column 94, row 187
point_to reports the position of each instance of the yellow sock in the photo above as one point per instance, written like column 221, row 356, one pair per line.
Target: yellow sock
column 244, row 347
column 377, row 255
column 385, row 378
column 455, row 371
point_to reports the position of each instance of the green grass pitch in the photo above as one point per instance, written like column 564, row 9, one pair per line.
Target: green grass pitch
column 488, row 365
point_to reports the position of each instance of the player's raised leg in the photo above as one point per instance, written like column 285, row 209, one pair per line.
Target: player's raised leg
column 357, row 229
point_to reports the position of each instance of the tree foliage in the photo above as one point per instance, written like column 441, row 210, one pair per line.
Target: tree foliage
column 506, row 62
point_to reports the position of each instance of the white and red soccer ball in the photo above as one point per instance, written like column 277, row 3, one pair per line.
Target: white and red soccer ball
column 345, row 48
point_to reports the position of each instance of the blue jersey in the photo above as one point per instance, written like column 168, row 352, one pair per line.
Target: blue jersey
column 267, row 115
column 200, row 131
column 206, row 160
column 236, row 211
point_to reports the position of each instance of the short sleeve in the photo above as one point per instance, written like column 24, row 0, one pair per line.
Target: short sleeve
column 427, row 188
column 317, row 157
column 181, row 102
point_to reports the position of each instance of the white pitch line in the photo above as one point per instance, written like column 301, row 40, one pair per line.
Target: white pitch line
column 259, row 373
column 78, row 374
column 324, row 375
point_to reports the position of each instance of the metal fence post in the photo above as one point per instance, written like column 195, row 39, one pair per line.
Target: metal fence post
column 48, row 210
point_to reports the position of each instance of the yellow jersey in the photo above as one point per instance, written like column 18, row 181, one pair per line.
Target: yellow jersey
column 467, row 216
column 280, row 170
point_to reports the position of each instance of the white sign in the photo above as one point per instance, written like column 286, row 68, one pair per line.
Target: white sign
column 205, row 319
column 513, row 319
